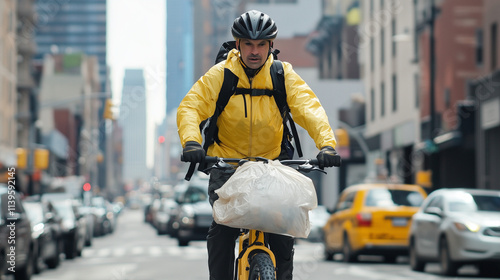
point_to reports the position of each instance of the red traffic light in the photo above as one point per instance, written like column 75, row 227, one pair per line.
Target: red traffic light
column 161, row 139
column 87, row 187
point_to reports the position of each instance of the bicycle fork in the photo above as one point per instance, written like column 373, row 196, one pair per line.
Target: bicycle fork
column 250, row 243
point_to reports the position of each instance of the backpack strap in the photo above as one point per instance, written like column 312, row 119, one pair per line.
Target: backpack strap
column 227, row 89
column 278, row 78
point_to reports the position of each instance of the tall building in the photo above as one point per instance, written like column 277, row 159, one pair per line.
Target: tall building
column 8, row 64
column 27, row 109
column 73, row 26
column 179, row 51
column 133, row 122
column 391, row 81
column 76, row 26
column 68, row 117
column 446, row 111
column 485, row 91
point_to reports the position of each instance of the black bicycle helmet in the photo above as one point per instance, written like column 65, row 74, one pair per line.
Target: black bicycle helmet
column 254, row 25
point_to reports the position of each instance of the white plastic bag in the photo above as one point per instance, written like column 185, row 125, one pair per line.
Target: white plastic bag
column 270, row 197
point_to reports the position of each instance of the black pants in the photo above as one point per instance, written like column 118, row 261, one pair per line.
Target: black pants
column 221, row 242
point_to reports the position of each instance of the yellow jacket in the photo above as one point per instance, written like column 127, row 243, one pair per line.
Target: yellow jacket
column 260, row 132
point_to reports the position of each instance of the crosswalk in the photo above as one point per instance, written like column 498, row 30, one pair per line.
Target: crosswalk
column 303, row 252
column 191, row 252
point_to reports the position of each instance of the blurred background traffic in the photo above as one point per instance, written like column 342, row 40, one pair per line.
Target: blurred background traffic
column 411, row 88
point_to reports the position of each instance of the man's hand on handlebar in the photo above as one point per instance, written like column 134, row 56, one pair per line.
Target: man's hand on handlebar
column 328, row 157
column 193, row 152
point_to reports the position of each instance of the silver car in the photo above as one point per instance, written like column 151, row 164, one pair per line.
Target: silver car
column 456, row 227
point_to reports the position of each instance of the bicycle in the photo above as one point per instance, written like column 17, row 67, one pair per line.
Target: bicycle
column 255, row 260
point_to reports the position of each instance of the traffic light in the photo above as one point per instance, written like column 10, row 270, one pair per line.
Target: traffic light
column 107, row 112
column 161, row 139
column 41, row 159
column 22, row 158
column 87, row 187
column 342, row 137
column 343, row 143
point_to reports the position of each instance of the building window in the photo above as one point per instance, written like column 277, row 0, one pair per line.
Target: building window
column 415, row 34
column 417, row 90
column 382, row 46
column 493, row 46
column 479, row 47
column 393, row 33
column 394, row 93
column 372, row 105
column 372, row 54
column 447, row 98
column 382, row 99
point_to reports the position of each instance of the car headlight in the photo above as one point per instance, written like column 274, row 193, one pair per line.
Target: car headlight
column 109, row 215
column 467, row 226
column 187, row 221
column 187, row 216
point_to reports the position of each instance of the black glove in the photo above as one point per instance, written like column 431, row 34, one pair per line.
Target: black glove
column 328, row 157
column 193, row 152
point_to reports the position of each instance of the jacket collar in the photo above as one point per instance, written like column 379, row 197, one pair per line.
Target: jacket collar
column 233, row 63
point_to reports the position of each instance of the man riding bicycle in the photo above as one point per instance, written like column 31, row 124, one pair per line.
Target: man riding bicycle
column 250, row 126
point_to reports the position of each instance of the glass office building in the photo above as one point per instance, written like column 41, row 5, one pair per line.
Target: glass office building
column 71, row 27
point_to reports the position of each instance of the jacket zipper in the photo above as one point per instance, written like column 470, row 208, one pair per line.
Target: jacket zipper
column 245, row 105
column 250, row 134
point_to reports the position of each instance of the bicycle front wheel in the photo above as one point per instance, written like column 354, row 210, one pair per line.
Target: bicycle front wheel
column 261, row 267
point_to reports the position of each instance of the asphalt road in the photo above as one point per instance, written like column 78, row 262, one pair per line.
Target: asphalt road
column 135, row 252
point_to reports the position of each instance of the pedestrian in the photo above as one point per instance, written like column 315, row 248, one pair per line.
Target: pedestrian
column 250, row 126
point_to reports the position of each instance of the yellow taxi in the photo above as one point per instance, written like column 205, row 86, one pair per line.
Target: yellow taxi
column 372, row 219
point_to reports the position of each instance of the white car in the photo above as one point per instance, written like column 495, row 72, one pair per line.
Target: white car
column 456, row 227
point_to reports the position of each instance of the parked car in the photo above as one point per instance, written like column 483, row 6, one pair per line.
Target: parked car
column 194, row 212
column 372, row 219
column 151, row 210
column 46, row 231
column 456, row 227
column 16, row 243
column 163, row 215
column 90, row 221
column 74, row 224
column 173, row 224
column 101, row 225
column 105, row 214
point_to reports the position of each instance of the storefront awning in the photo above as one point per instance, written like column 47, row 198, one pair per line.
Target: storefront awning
column 442, row 142
column 57, row 143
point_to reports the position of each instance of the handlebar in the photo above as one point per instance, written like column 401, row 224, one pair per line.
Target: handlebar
column 302, row 165
column 209, row 159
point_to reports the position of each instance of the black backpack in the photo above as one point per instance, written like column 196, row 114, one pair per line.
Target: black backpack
column 229, row 87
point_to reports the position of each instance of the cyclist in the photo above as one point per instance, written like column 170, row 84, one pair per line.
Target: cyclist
column 250, row 126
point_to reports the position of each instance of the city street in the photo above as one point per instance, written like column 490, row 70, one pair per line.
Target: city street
column 135, row 252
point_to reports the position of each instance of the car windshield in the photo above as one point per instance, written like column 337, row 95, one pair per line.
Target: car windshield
column 64, row 209
column 34, row 212
column 195, row 194
column 471, row 203
column 388, row 198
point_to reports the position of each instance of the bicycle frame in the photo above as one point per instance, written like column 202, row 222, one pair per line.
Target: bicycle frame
column 249, row 243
